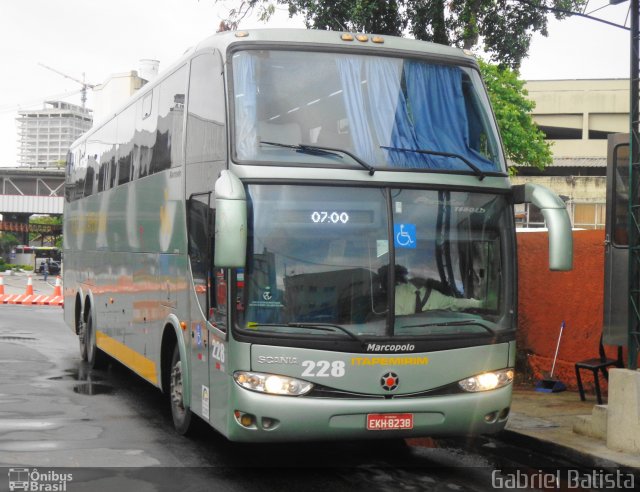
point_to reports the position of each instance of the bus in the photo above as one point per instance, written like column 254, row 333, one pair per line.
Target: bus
column 305, row 235
column 34, row 255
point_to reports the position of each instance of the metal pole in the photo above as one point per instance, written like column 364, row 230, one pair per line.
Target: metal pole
column 634, row 200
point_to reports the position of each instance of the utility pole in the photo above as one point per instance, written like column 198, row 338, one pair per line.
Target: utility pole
column 83, row 83
column 633, row 341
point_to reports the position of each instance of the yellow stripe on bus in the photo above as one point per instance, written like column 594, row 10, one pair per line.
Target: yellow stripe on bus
column 137, row 362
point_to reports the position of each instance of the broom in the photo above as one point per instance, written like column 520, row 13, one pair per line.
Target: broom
column 551, row 384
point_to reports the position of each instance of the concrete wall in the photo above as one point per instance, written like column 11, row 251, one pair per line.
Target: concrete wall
column 547, row 298
column 581, row 189
column 591, row 104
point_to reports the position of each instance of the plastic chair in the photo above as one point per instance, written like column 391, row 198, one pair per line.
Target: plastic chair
column 597, row 364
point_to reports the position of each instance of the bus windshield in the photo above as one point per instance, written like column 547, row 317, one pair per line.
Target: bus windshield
column 320, row 259
column 389, row 112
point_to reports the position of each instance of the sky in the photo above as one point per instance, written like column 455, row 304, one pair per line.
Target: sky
column 98, row 38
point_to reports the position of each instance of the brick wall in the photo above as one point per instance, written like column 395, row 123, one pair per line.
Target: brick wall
column 547, row 298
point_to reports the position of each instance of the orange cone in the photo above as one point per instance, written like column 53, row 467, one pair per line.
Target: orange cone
column 1, row 285
column 29, row 291
column 57, row 290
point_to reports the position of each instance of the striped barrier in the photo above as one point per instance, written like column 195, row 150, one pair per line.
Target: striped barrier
column 29, row 298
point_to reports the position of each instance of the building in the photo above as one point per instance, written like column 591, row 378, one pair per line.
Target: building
column 116, row 90
column 576, row 116
column 45, row 135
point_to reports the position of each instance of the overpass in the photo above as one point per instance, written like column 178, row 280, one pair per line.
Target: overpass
column 26, row 191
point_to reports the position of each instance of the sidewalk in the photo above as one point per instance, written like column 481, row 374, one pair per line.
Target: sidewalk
column 545, row 420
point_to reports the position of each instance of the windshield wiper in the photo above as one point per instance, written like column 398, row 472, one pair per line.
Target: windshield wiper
column 318, row 150
column 475, row 168
column 312, row 326
column 452, row 323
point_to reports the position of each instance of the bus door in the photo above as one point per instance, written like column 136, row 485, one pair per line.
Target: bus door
column 616, row 270
column 205, row 157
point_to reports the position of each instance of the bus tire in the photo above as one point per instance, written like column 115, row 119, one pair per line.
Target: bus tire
column 180, row 413
column 82, row 339
column 96, row 358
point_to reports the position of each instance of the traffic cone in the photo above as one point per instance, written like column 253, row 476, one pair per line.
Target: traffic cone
column 57, row 290
column 1, row 285
column 29, row 291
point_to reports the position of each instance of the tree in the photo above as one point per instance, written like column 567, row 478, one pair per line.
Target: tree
column 524, row 142
column 500, row 28
column 8, row 241
column 54, row 237
column 503, row 26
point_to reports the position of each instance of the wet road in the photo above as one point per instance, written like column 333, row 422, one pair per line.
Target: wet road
column 57, row 415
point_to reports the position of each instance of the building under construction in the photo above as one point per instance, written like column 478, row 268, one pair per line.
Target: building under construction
column 45, row 135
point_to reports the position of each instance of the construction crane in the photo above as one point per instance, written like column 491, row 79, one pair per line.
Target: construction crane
column 85, row 86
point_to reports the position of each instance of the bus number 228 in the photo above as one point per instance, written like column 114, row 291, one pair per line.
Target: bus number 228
column 323, row 368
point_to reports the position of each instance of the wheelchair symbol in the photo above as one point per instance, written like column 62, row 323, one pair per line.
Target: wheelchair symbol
column 405, row 235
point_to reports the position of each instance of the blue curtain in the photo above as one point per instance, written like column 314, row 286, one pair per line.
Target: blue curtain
column 384, row 76
column 429, row 113
column 439, row 114
column 350, row 71
column 245, row 93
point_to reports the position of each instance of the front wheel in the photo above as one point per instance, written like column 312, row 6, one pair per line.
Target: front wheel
column 181, row 414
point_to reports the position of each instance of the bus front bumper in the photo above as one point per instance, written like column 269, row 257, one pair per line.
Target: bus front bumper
column 272, row 418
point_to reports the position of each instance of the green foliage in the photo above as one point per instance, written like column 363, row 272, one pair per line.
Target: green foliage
column 7, row 242
column 524, row 142
column 46, row 220
column 501, row 28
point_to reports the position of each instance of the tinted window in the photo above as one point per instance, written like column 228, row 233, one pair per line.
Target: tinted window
column 205, row 118
column 167, row 150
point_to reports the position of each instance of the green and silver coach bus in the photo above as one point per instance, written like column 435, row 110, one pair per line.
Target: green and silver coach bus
column 303, row 235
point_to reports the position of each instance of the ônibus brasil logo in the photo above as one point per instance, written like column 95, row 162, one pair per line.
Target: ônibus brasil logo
column 36, row 481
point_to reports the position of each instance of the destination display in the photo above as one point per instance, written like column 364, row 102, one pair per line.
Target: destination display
column 327, row 216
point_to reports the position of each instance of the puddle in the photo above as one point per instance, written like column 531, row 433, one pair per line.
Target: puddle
column 93, row 389
column 15, row 338
column 78, row 374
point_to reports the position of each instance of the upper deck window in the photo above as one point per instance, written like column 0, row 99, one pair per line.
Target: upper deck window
column 380, row 109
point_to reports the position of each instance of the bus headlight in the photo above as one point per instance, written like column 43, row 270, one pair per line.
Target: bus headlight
column 272, row 383
column 487, row 381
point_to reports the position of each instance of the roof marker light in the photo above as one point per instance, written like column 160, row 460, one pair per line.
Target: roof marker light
column 363, row 38
column 346, row 37
column 377, row 39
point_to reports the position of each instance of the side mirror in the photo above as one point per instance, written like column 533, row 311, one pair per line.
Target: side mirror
column 231, row 222
column 555, row 215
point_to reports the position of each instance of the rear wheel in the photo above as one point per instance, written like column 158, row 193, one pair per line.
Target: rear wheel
column 82, row 338
column 96, row 358
column 181, row 414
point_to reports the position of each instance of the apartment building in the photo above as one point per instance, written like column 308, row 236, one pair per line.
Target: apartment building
column 45, row 135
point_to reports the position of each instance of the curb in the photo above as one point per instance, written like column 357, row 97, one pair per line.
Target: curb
column 570, row 454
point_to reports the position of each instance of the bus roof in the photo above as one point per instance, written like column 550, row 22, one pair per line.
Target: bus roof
column 224, row 39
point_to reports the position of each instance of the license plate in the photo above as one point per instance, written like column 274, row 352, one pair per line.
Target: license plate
column 389, row 421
